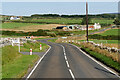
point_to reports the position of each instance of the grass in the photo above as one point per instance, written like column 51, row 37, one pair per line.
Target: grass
column 60, row 21
column 4, row 36
column 14, row 64
column 39, row 38
column 34, row 46
column 16, row 25
column 72, row 21
column 102, row 21
column 18, row 68
column 104, row 41
column 52, row 40
column 0, row 63
column 110, row 32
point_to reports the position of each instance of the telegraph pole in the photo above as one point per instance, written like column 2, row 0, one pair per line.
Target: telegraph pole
column 87, row 21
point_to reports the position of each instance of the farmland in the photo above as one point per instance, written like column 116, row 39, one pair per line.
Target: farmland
column 69, row 21
column 48, row 23
column 59, row 21
column 102, row 21
column 110, row 32
column 16, row 25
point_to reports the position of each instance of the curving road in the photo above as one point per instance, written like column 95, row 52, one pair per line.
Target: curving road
column 66, row 62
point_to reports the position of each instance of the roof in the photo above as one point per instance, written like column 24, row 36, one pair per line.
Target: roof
column 91, row 26
column 60, row 27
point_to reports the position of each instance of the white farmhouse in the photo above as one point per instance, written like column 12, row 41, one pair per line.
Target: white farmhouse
column 14, row 18
column 97, row 26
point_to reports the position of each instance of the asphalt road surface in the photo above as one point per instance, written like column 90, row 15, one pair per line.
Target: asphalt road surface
column 65, row 61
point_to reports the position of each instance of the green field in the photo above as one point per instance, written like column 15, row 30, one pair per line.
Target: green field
column 110, row 32
column 15, row 64
column 73, row 21
column 60, row 21
column 53, row 21
column 102, row 21
column 16, row 25
column 34, row 46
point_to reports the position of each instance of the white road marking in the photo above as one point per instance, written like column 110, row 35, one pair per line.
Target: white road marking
column 65, row 57
column 67, row 64
column 97, row 61
column 37, row 63
column 64, row 54
column 71, row 73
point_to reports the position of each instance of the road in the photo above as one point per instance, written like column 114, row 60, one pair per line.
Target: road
column 65, row 61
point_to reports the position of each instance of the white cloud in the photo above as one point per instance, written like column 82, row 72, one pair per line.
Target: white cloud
column 60, row 0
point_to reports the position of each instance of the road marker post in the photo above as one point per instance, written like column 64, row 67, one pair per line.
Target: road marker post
column 30, row 51
column 40, row 46
column 69, row 41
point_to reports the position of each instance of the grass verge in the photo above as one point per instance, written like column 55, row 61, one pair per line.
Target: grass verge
column 14, row 64
column 34, row 46
column 52, row 40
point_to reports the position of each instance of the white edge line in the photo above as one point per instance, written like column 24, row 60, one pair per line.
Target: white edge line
column 97, row 61
column 38, row 63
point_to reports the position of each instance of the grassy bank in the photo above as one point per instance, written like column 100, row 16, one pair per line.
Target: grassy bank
column 14, row 64
column 52, row 40
column 34, row 46
column 104, row 41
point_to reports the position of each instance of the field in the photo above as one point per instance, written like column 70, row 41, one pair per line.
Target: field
column 16, row 25
column 102, row 21
column 110, row 32
column 69, row 21
column 30, row 27
column 59, row 21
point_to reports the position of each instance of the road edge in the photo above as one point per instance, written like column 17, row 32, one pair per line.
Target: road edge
column 96, row 61
column 31, row 72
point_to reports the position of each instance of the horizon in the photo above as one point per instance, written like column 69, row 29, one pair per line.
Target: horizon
column 61, row 8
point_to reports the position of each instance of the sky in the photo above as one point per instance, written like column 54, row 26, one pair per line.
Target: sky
column 59, row 0
column 68, row 8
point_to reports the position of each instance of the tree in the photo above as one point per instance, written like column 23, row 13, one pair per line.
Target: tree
column 84, row 21
column 117, row 21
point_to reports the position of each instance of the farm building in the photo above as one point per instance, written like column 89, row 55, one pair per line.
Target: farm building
column 14, row 18
column 70, row 27
column 97, row 26
column 91, row 27
column 62, row 27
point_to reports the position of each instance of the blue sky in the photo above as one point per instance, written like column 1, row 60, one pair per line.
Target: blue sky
column 29, row 8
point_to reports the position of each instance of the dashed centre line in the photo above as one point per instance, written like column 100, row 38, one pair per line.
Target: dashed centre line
column 71, row 73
